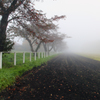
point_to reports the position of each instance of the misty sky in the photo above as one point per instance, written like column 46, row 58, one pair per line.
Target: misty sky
column 82, row 21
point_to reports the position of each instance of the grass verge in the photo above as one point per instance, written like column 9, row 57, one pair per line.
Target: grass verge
column 92, row 56
column 9, row 72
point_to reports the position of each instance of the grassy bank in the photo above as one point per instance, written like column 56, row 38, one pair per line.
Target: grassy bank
column 9, row 72
column 92, row 56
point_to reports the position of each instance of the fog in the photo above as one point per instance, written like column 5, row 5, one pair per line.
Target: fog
column 82, row 22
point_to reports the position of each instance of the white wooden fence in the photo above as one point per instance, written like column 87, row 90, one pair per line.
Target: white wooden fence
column 43, row 55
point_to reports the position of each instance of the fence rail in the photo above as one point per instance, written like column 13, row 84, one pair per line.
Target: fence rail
column 43, row 55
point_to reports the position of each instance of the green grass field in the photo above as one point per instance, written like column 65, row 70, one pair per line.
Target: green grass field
column 92, row 56
column 9, row 72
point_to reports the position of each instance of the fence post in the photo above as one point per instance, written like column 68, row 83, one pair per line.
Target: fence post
column 45, row 54
column 23, row 57
column 42, row 54
column 0, row 60
column 35, row 55
column 38, row 54
column 14, row 58
column 30, row 56
column 48, row 53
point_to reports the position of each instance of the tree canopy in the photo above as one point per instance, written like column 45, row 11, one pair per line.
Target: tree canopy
column 20, row 16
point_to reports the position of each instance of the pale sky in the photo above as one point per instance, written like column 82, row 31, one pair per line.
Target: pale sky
column 82, row 21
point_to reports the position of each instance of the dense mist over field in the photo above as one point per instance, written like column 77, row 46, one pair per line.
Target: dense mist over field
column 92, row 47
column 82, row 23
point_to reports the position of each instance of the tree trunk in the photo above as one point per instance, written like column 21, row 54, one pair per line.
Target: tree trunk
column 30, row 44
column 3, row 26
column 51, row 47
column 38, row 46
column 55, row 49
column 44, row 45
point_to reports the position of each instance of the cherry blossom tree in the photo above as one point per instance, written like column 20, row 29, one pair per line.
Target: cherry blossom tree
column 19, row 12
column 58, row 44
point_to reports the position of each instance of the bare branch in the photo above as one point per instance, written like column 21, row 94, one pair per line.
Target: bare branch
column 14, row 18
column 34, row 41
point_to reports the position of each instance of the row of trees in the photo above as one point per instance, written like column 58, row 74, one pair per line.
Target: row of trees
column 56, row 45
column 20, row 18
